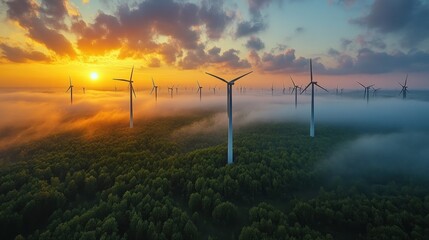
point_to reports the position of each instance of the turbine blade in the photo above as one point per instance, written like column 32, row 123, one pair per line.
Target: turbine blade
column 223, row 80
column 198, row 84
column 406, row 79
column 68, row 89
column 292, row 81
column 306, row 88
column 152, row 90
column 361, row 84
column 322, row 87
column 311, row 71
column 121, row 79
column 131, row 76
column 236, row 79
column 153, row 83
column 293, row 89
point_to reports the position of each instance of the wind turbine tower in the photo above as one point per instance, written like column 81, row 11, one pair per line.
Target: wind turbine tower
column 295, row 89
column 130, row 82
column 170, row 90
column 312, row 83
column 229, row 110
column 366, row 93
column 71, row 90
column 404, row 88
column 199, row 89
column 154, row 87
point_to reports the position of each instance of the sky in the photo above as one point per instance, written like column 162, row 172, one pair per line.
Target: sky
column 44, row 42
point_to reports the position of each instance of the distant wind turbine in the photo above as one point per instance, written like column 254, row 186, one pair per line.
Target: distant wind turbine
column 199, row 89
column 71, row 90
column 374, row 91
column 295, row 88
column 170, row 90
column 83, row 90
column 312, row 98
column 229, row 110
column 272, row 89
column 284, row 88
column 154, row 87
column 404, row 88
column 130, row 82
column 367, row 88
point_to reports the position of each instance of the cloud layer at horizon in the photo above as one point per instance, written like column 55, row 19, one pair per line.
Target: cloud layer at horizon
column 192, row 35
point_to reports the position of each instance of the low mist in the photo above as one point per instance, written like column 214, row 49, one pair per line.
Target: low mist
column 29, row 115
column 402, row 154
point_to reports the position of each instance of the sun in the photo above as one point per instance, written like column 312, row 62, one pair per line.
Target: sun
column 93, row 75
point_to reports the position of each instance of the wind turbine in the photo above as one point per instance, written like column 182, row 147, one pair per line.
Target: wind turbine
column 366, row 93
column 312, row 98
column 130, row 82
column 199, row 89
column 404, row 88
column 71, row 90
column 374, row 91
column 177, row 90
column 170, row 90
column 155, row 87
column 295, row 89
column 83, row 90
column 272, row 89
column 229, row 110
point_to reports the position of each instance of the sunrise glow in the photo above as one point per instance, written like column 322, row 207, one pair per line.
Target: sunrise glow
column 93, row 76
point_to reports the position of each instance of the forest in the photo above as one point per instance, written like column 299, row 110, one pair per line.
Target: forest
column 154, row 182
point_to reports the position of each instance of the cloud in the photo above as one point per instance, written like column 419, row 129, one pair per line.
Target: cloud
column 247, row 28
column 408, row 18
column 370, row 42
column 19, row 55
column 228, row 59
column 53, row 13
column 371, row 62
column 343, row 2
column 36, row 20
column 255, row 43
column 215, row 18
column 101, row 36
column 255, row 6
column 285, row 61
column 170, row 29
column 299, row 30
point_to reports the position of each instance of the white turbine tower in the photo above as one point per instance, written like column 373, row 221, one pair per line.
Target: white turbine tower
column 199, row 89
column 154, row 87
column 404, row 88
column 312, row 98
column 71, row 90
column 130, row 82
column 295, row 89
column 229, row 110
